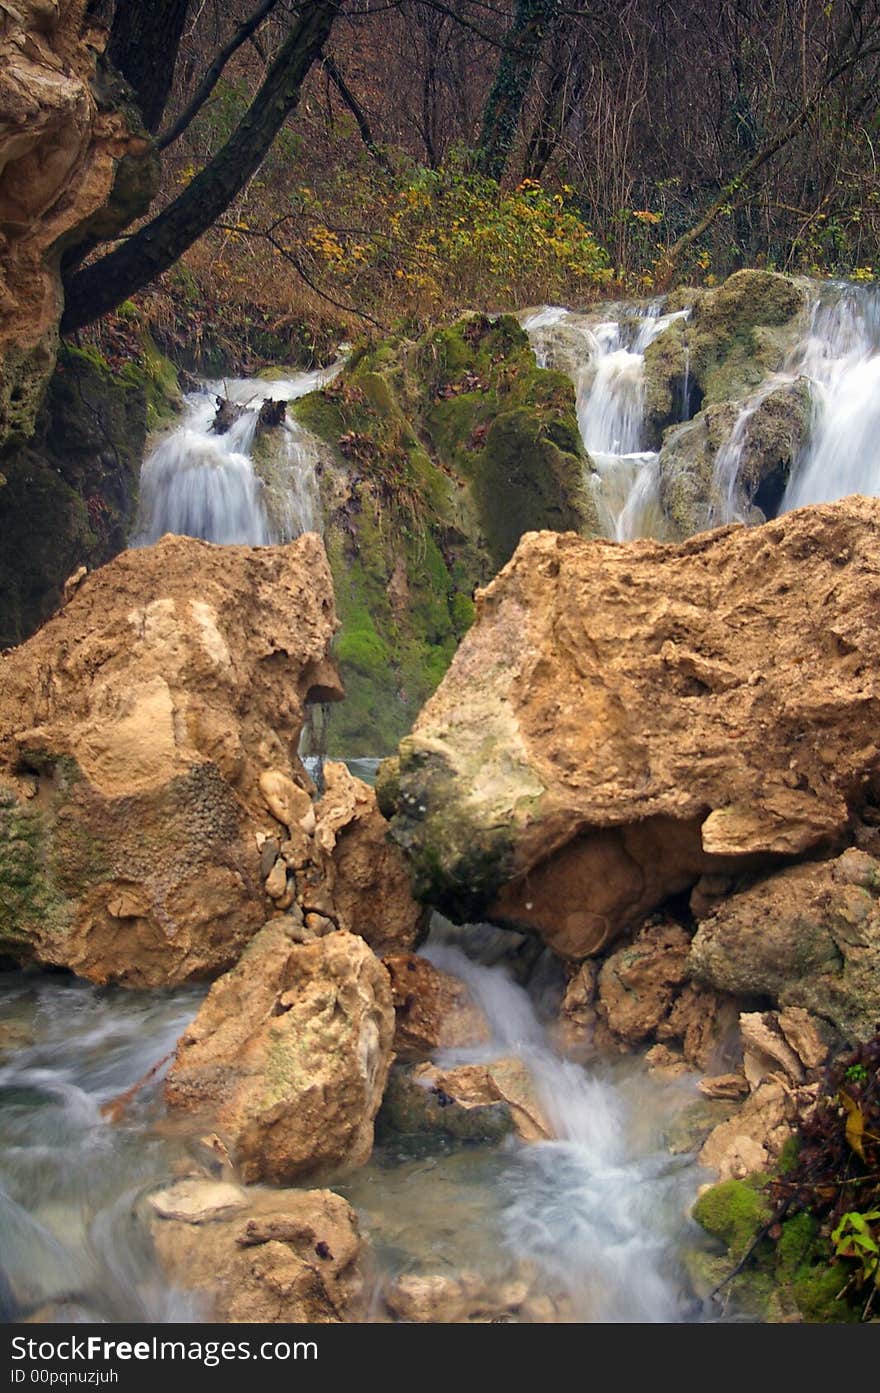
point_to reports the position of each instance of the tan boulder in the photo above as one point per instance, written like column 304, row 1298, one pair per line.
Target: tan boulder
column 638, row 983
column 135, row 728
column 295, row 1256
column 809, row 938
column 467, row 1297
column 621, row 721
column 60, row 153
column 289, row 1055
column 372, row 889
column 433, row 1010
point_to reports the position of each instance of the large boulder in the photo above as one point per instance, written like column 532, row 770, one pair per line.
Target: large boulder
column 137, row 728
column 624, row 719
column 806, row 937
column 289, row 1055
column 279, row 1257
column 74, row 159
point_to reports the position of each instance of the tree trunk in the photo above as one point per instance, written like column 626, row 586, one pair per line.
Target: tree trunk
column 143, row 47
column 522, row 50
column 141, row 258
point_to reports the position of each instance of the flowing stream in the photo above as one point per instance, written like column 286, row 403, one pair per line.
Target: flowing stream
column 606, row 358
column 599, row 1214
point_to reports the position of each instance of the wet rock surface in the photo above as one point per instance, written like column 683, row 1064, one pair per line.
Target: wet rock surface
column 134, row 729
column 289, row 1055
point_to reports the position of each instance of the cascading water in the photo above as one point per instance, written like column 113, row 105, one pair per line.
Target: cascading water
column 609, row 376
column 601, row 1209
column 199, row 483
column 841, row 359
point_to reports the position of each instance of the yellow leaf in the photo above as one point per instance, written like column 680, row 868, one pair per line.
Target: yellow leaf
column 855, row 1124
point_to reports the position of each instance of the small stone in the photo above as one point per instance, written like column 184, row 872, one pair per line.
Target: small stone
column 801, row 1032
column 197, row 1201
column 276, row 881
column 269, row 853
column 724, row 1086
column 285, row 800
column 317, row 925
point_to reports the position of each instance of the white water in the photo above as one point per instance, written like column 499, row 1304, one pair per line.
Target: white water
column 841, row 359
column 69, row 1248
column 602, row 1209
column 609, row 377
column 198, row 483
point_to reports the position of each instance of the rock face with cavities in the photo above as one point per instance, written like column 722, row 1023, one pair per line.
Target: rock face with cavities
column 622, row 720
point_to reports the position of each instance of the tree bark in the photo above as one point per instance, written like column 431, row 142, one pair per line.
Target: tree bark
column 522, row 50
column 143, row 47
column 141, row 258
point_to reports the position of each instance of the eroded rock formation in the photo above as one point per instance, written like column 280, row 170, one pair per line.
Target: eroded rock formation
column 135, row 727
column 264, row 1256
column 67, row 160
column 624, row 720
column 289, row 1055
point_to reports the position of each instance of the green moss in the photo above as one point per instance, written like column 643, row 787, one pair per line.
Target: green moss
column 447, row 450
column 71, row 491
column 733, row 1211
column 30, row 904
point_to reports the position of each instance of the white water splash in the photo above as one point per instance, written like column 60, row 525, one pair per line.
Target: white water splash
column 841, row 359
column 601, row 1209
column 198, row 483
column 606, row 360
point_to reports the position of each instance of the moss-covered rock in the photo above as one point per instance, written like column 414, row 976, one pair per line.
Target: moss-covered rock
column 446, row 450
column 740, row 331
column 790, row 1273
column 71, row 491
column 733, row 1211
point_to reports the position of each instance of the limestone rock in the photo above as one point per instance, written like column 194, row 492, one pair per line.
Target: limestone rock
column 289, row 1055
column 753, row 1138
column 297, row 1256
column 610, row 701
column 807, row 937
column 198, row 1201
column 637, row 984
column 372, row 890
column 416, row 1102
column 478, row 1086
column 59, row 157
column 134, row 728
column 765, row 1051
column 467, row 1297
column 577, row 1014
column 433, row 1009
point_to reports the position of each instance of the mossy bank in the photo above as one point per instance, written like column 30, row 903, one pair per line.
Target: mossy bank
column 445, row 450
column 68, row 496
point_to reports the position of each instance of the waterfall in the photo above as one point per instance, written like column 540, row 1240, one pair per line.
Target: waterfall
column 606, row 360
column 199, row 483
column 600, row 1208
column 841, row 359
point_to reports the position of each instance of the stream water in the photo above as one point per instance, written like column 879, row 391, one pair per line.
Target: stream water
column 599, row 1214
